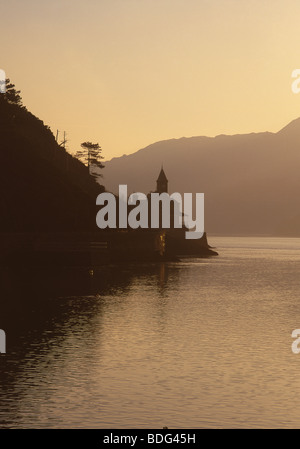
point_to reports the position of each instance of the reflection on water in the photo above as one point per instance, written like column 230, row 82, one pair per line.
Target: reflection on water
column 199, row 343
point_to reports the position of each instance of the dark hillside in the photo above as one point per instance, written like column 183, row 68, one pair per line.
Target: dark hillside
column 43, row 188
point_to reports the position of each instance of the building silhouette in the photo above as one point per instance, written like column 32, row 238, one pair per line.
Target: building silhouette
column 162, row 182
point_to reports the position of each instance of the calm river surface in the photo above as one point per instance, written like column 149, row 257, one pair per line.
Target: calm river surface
column 195, row 344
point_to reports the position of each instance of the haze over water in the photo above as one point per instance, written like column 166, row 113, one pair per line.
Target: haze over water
column 199, row 343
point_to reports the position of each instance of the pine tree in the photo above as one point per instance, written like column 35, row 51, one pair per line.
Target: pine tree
column 91, row 156
column 11, row 95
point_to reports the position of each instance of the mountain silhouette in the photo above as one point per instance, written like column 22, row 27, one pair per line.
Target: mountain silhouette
column 43, row 188
column 251, row 181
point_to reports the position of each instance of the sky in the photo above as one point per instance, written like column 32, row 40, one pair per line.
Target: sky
column 128, row 73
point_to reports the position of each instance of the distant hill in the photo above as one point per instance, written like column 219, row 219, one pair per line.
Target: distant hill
column 251, row 182
column 43, row 188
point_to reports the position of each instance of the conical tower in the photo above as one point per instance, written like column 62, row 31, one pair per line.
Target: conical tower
column 162, row 182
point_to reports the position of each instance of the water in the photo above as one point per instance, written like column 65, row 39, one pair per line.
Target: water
column 196, row 344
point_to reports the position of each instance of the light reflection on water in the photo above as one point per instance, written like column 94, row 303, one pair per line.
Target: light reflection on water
column 199, row 343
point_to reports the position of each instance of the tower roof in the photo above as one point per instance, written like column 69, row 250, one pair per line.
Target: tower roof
column 162, row 176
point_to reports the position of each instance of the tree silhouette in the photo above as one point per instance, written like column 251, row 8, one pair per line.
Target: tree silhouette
column 91, row 156
column 11, row 95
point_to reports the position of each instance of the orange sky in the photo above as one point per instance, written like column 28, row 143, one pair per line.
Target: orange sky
column 127, row 73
